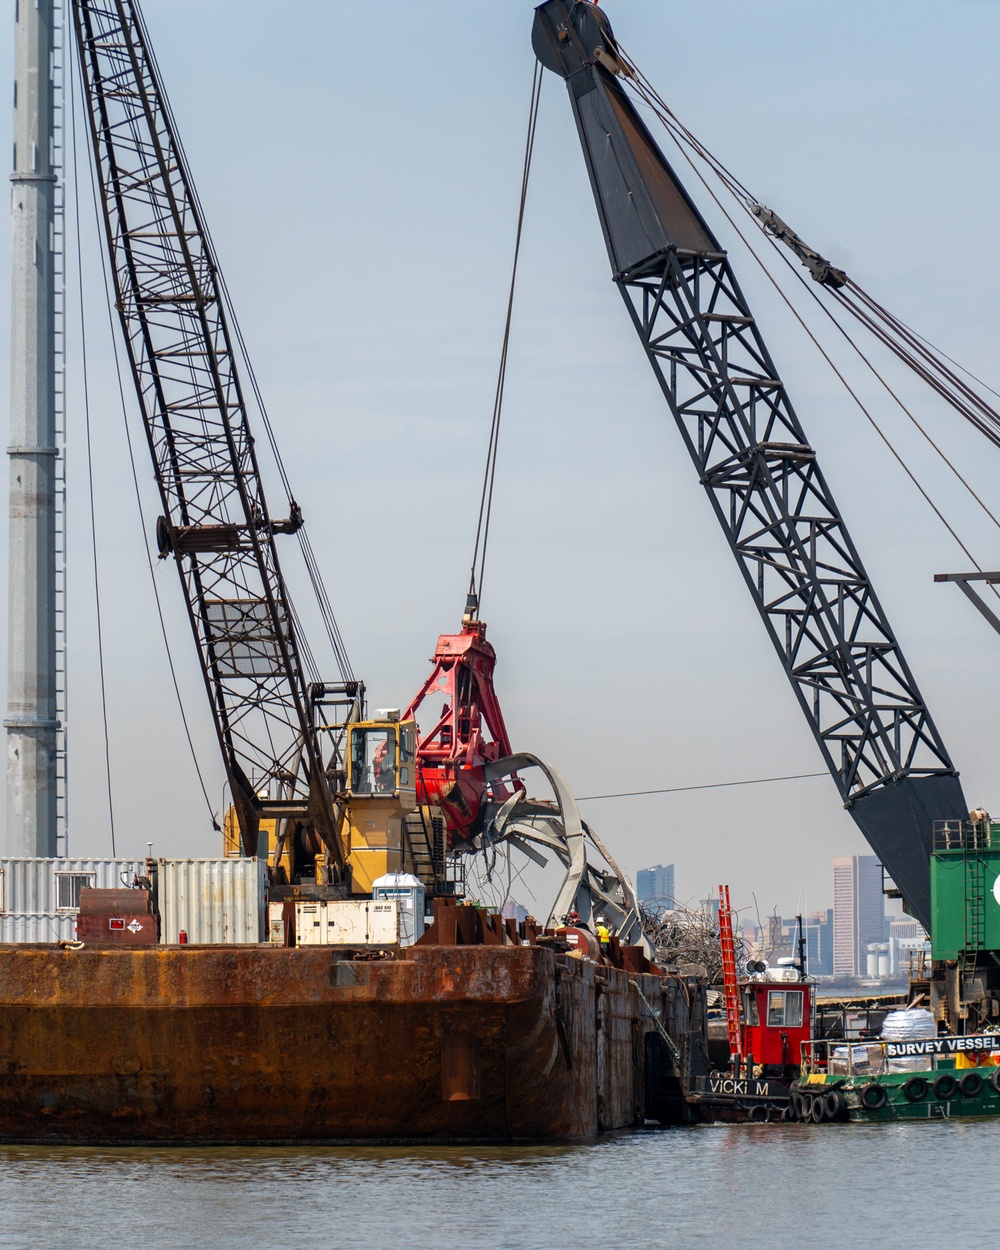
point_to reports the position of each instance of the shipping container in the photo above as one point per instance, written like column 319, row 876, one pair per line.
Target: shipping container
column 49, row 927
column 212, row 900
column 52, row 886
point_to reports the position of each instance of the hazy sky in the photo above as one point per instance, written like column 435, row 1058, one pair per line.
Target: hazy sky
column 359, row 168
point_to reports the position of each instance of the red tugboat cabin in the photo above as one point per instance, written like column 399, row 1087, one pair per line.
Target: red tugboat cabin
column 777, row 1018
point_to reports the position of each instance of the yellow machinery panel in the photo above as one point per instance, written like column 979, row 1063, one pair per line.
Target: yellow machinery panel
column 268, row 838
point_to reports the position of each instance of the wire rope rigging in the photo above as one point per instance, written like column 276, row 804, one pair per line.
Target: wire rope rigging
column 195, row 390
column 929, row 363
column 478, row 567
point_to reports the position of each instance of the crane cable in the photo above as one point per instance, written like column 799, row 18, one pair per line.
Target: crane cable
column 489, row 476
column 844, row 382
column 110, row 305
column 92, row 508
column 978, row 412
column 330, row 626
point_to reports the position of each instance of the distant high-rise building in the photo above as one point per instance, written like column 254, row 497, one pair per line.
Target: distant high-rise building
column 819, row 943
column 654, row 887
column 906, row 938
column 780, row 940
column 858, row 912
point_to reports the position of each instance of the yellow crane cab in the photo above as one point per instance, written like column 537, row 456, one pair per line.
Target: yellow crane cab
column 381, row 793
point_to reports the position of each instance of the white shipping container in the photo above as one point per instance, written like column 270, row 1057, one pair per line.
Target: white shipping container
column 213, row 901
column 37, row 886
column 352, row 922
column 276, row 923
column 49, row 927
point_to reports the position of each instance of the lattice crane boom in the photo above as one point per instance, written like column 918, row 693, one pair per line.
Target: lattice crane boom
column 216, row 524
column 761, row 474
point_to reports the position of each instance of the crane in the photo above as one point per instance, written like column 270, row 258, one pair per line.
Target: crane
column 761, row 474
column 216, row 525
column 327, row 794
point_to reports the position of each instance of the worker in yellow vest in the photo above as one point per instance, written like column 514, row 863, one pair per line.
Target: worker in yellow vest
column 603, row 932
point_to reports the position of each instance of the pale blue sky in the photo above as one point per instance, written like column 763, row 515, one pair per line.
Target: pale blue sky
column 359, row 169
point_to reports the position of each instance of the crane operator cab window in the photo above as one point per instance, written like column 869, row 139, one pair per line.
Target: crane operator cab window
column 373, row 760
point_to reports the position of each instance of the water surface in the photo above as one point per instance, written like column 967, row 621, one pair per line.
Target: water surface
column 741, row 1187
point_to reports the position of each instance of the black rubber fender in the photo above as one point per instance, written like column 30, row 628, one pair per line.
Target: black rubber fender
column 916, row 1088
column 995, row 1080
column 945, row 1087
column 873, row 1096
column 970, row 1084
column 758, row 1114
column 818, row 1113
column 835, row 1105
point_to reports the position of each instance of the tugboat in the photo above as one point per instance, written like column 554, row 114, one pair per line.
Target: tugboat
column 770, row 1016
column 931, row 1078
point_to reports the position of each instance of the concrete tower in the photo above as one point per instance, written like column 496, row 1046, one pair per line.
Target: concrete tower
column 31, row 722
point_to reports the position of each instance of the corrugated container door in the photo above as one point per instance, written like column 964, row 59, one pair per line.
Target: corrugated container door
column 213, row 901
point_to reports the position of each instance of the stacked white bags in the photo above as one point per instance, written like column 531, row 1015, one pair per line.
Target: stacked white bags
column 914, row 1024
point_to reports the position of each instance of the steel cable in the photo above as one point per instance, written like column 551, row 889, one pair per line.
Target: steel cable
column 682, row 137
column 330, row 626
column 110, row 305
column 85, row 377
column 908, row 346
column 489, row 476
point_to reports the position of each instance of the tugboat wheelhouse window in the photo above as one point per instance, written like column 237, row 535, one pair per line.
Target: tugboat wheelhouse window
column 750, row 1008
column 784, row 1009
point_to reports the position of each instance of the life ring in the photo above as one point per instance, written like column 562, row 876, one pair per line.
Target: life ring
column 945, row 1087
column 916, row 1088
column 970, row 1084
column 757, row 1114
column 835, row 1105
column 874, row 1096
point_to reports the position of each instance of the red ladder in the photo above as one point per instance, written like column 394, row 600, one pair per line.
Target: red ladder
column 729, row 972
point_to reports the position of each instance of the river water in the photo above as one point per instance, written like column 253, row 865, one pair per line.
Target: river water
column 741, row 1187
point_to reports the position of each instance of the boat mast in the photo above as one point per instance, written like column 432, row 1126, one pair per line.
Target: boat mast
column 32, row 722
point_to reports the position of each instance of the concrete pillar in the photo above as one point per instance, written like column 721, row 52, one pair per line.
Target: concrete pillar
column 31, row 656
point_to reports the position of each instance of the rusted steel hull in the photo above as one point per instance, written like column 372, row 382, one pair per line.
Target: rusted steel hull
column 265, row 1044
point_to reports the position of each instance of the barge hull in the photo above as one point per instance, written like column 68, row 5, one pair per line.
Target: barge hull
column 262, row 1044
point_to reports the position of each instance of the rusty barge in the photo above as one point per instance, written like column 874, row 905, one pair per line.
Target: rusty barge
column 350, row 1012
column 265, row 1044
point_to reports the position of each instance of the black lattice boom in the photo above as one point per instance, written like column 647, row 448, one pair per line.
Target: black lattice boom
column 216, row 522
